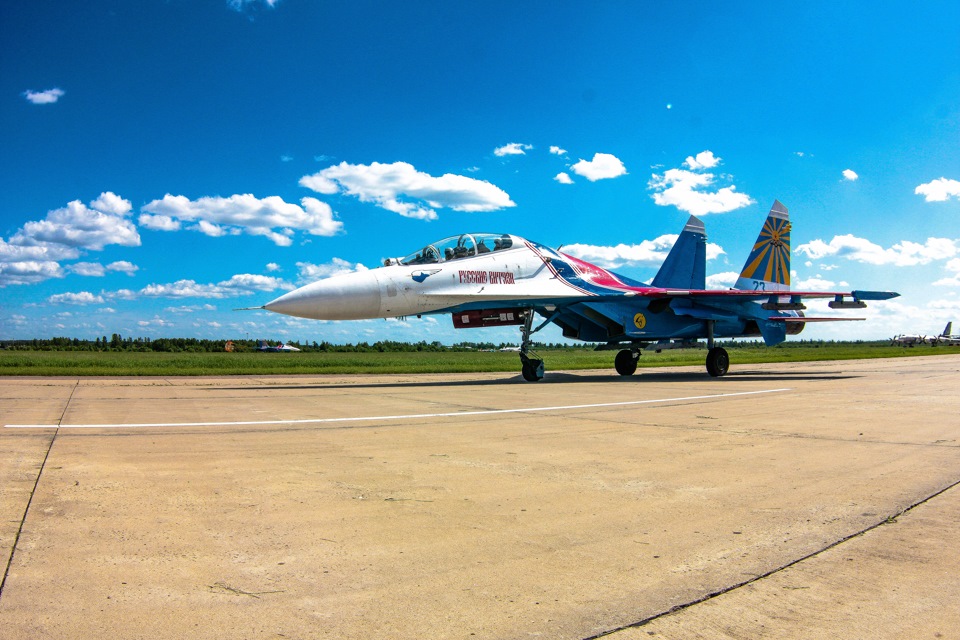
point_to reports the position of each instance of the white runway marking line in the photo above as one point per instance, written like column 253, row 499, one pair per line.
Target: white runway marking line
column 417, row 416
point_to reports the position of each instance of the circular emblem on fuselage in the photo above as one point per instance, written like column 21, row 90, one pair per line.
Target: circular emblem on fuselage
column 640, row 321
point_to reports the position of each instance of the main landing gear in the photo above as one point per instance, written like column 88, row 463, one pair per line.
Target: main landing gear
column 531, row 368
column 717, row 359
column 626, row 362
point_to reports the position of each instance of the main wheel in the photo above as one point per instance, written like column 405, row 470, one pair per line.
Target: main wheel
column 532, row 370
column 626, row 362
column 718, row 362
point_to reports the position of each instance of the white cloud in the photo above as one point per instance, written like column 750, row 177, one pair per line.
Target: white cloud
column 512, row 149
column 816, row 283
column 851, row 175
column 310, row 272
column 557, row 151
column 28, row 271
column 684, row 189
column 49, row 96
column 83, row 297
column 92, row 269
column 123, row 266
column 648, row 252
column 273, row 266
column 81, row 227
column 385, row 185
column 703, row 160
column 954, row 280
column 902, row 254
column 33, row 252
column 724, row 280
column 238, row 285
column 563, row 178
column 217, row 216
column 158, row 223
column 939, row 190
column 602, row 167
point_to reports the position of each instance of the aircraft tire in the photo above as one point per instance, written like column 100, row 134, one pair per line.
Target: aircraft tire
column 532, row 370
column 718, row 362
column 626, row 362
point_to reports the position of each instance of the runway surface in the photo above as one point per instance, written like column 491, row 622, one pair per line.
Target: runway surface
column 782, row 501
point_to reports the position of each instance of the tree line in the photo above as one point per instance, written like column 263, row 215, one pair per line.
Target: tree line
column 119, row 343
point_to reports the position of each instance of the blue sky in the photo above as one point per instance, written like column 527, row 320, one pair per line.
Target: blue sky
column 164, row 162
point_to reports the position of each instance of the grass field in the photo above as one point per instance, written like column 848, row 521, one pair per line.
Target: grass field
column 85, row 363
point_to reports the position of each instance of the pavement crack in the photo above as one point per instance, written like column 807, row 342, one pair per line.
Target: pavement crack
column 33, row 491
column 891, row 519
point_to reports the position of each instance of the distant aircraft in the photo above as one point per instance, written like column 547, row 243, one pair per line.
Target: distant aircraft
column 945, row 338
column 278, row 348
column 489, row 280
column 905, row 340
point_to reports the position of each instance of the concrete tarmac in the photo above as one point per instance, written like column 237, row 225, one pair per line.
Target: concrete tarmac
column 781, row 501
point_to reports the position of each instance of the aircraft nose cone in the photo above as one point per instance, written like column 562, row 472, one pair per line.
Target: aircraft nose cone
column 351, row 296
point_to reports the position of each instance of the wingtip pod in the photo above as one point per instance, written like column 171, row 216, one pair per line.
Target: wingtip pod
column 874, row 295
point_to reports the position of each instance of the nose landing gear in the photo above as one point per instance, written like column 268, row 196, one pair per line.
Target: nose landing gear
column 530, row 368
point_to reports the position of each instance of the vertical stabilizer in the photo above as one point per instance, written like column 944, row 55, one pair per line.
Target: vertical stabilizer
column 768, row 266
column 686, row 264
column 947, row 331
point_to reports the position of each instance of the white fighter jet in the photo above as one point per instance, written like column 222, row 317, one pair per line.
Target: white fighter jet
column 485, row 280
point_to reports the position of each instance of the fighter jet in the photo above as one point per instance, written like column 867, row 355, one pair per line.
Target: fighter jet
column 488, row 280
column 280, row 347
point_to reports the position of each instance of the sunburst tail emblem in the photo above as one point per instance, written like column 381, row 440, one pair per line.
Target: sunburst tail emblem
column 768, row 266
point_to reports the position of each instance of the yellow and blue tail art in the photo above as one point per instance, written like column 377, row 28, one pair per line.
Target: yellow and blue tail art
column 768, row 266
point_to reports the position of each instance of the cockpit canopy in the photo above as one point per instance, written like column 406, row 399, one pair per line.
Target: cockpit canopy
column 456, row 247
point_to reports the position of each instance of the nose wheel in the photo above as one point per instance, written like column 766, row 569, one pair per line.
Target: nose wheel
column 530, row 368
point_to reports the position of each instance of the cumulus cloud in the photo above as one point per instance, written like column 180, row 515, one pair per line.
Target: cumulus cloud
column 309, row 272
column 77, row 226
column 83, row 297
column 563, row 178
column 602, row 167
column 724, row 280
column 647, row 253
column 389, row 186
column 512, row 149
column 92, row 269
column 123, row 266
column 939, row 190
column 703, row 160
column 270, row 217
column 29, row 271
column 33, row 252
column 557, row 151
column 158, row 222
column 49, row 96
column 238, row 285
column 902, row 254
column 688, row 189
column 850, row 175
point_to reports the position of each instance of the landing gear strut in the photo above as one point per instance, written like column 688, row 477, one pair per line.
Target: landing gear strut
column 531, row 368
column 626, row 362
column 718, row 362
